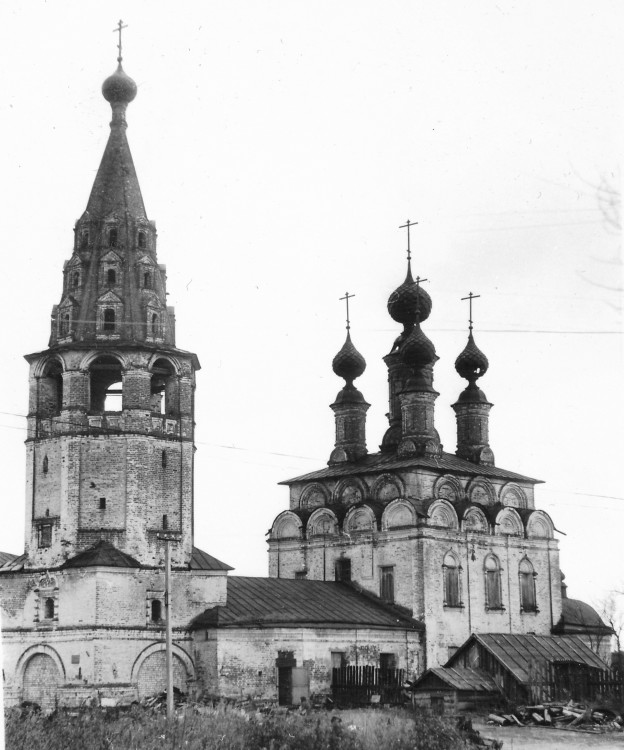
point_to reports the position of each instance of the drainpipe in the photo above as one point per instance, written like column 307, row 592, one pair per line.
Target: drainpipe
column 508, row 584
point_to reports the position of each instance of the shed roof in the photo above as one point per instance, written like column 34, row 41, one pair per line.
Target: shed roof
column 458, row 678
column 201, row 560
column 520, row 654
column 447, row 462
column 268, row 602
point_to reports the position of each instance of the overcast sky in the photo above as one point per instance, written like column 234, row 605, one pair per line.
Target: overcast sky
column 279, row 145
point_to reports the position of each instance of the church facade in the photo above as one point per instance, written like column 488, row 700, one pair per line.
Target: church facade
column 453, row 538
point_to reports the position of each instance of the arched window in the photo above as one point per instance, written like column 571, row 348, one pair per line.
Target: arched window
column 156, row 610
column 112, row 237
column 450, row 568
column 76, row 279
column 154, row 324
column 48, row 608
column 109, row 319
column 147, row 280
column 142, row 239
column 45, row 464
column 164, row 389
column 527, row 586
column 493, row 598
column 84, row 239
column 106, row 385
column 111, row 276
column 50, row 389
column 64, row 327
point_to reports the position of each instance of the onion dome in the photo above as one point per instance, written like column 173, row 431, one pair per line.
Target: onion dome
column 472, row 362
column 417, row 350
column 119, row 88
column 409, row 303
column 348, row 363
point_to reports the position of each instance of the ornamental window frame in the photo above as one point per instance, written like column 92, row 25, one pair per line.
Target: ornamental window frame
column 527, row 589
column 451, row 581
column 493, row 583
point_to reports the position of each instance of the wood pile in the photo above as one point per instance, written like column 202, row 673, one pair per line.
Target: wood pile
column 572, row 716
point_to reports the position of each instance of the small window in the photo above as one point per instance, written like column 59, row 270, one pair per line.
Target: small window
column 343, row 570
column 111, row 276
column 45, row 465
column 387, row 661
column 44, row 535
column 109, row 320
column 48, row 609
column 163, row 459
column 156, row 610
column 301, row 575
column 76, row 279
column 84, row 239
column 102, row 503
column 527, row 587
column 450, row 569
column 338, row 659
column 493, row 598
column 112, row 237
column 147, row 280
column 154, row 324
column 165, row 522
column 64, row 328
column 142, row 239
column 387, row 584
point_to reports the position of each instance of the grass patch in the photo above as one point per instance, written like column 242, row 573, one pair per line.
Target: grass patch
column 201, row 728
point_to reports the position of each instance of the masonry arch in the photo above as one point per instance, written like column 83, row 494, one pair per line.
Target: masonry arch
column 448, row 487
column 442, row 513
column 387, row 487
column 322, row 522
column 350, row 491
column 40, row 673
column 480, row 490
column 313, row 496
column 287, row 526
column 540, row 526
column 474, row 520
column 165, row 387
column 50, row 386
column 105, row 383
column 512, row 495
column 360, row 519
column 508, row 521
column 398, row 514
column 149, row 670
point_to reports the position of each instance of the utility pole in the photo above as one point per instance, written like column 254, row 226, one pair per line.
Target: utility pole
column 168, row 539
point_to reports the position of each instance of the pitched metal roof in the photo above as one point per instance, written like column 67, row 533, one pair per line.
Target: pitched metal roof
column 374, row 462
column 201, row 560
column 459, row 678
column 103, row 553
column 520, row 654
column 267, row 602
column 6, row 557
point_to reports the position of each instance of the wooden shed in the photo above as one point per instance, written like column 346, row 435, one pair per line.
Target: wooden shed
column 448, row 690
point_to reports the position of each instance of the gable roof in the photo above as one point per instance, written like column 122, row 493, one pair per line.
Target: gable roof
column 447, row 462
column 520, row 654
column 271, row 602
column 459, row 678
column 6, row 557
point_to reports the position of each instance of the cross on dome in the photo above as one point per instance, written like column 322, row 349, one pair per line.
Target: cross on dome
column 121, row 25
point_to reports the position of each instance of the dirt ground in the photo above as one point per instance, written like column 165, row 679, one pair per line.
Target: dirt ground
column 546, row 738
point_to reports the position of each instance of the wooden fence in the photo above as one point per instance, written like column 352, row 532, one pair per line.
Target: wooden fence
column 568, row 681
column 356, row 686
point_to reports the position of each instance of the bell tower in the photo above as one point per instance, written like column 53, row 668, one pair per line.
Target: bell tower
column 110, row 421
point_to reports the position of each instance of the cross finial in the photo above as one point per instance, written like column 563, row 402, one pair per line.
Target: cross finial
column 121, row 25
column 347, row 297
column 419, row 281
column 470, row 297
column 407, row 226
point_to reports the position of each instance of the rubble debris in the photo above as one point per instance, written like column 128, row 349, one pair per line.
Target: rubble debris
column 571, row 716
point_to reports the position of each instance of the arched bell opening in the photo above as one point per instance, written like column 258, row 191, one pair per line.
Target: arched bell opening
column 106, row 385
column 164, row 389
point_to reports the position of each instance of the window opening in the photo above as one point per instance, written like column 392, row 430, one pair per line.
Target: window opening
column 111, row 276
column 112, row 237
column 106, row 385
column 493, row 598
column 164, row 389
column 76, row 279
column 338, row 659
column 49, row 609
column 147, row 280
column 156, row 610
column 44, row 535
column 387, row 661
column 45, row 464
column 450, row 570
column 142, row 239
column 84, row 239
column 154, row 325
column 109, row 319
column 343, row 570
column 165, row 522
column 528, row 601
column 163, row 459
column 301, row 575
column 387, row 584
column 65, row 324
column 102, row 503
